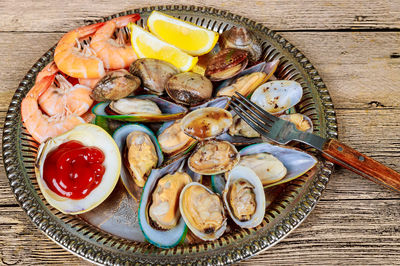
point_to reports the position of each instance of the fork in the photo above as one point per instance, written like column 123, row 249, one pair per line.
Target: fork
column 282, row 132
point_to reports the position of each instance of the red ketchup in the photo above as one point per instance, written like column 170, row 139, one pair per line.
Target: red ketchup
column 73, row 170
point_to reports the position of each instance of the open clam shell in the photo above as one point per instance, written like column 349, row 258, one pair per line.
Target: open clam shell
column 169, row 111
column 220, row 102
column 245, row 84
column 206, row 123
column 297, row 162
column 173, row 141
column 208, row 235
column 277, row 96
column 160, row 238
column 120, row 136
column 244, row 173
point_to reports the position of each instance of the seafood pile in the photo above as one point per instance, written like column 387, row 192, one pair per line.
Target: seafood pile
column 191, row 163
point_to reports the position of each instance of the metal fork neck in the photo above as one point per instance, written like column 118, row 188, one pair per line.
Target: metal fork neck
column 311, row 139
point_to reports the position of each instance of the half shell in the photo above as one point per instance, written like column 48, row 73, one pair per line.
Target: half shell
column 169, row 111
column 120, row 136
column 277, row 96
column 202, row 211
column 206, row 123
column 244, row 194
column 159, row 237
column 296, row 162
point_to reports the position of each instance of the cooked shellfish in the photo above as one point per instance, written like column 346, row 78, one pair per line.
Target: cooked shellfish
column 226, row 64
column 154, row 73
column 115, row 85
column 189, row 88
column 213, row 157
column 128, row 106
column 206, row 123
column 202, row 211
column 302, row 122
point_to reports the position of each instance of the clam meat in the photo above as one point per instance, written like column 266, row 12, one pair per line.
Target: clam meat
column 302, row 122
column 242, row 199
column 226, row 64
column 267, row 167
column 202, row 211
column 154, row 73
column 206, row 123
column 213, row 157
column 240, row 128
column 164, row 209
column 173, row 140
column 129, row 105
column 115, row 85
column 141, row 156
column 241, row 38
column 189, row 88
column 245, row 85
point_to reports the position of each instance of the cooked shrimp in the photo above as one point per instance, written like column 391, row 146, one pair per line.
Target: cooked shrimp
column 50, row 69
column 63, row 97
column 39, row 125
column 91, row 83
column 76, row 60
column 115, row 53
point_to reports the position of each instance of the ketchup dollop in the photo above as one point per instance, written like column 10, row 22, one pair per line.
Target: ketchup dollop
column 73, row 170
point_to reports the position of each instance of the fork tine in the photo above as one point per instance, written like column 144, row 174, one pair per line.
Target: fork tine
column 257, row 126
column 267, row 123
column 268, row 115
column 265, row 120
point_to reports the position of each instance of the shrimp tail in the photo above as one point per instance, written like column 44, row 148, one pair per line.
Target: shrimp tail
column 88, row 30
column 124, row 20
column 50, row 69
column 41, row 86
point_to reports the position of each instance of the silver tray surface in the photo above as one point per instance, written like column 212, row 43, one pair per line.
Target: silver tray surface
column 288, row 209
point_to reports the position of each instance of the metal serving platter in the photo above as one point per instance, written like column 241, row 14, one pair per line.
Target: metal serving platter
column 90, row 240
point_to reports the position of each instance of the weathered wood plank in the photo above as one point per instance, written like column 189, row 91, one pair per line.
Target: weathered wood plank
column 368, row 230
column 350, row 64
column 276, row 14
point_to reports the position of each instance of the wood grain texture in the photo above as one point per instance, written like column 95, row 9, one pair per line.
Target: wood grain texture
column 62, row 16
column 355, row 47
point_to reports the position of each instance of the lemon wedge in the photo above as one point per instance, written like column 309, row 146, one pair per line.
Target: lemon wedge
column 146, row 45
column 187, row 36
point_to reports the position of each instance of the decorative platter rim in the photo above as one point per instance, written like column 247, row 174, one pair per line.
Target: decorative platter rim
column 102, row 248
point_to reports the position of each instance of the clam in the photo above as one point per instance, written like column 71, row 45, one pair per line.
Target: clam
column 302, row 122
column 154, row 73
column 173, row 140
column 240, row 128
column 128, row 106
column 206, row 123
column 248, row 80
column 168, row 110
column 115, row 85
column 133, row 172
column 293, row 162
column 202, row 211
column 244, row 197
column 213, row 157
column 241, row 38
column 88, row 135
column 159, row 215
column 277, row 96
column 220, row 102
column 189, row 88
column 226, row 64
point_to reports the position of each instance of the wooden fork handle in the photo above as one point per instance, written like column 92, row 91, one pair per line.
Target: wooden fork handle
column 361, row 164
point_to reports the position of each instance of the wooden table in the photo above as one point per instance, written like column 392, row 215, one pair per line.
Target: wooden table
column 355, row 45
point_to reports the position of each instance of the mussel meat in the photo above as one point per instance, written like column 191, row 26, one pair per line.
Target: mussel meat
column 173, row 139
column 127, row 106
